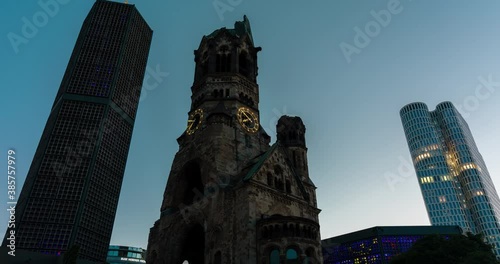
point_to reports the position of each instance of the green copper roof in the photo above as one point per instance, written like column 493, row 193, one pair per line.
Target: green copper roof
column 259, row 163
column 263, row 158
column 241, row 28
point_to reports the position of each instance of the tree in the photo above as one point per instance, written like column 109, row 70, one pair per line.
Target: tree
column 457, row 249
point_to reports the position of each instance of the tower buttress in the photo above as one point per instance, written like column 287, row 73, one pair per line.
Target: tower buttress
column 291, row 135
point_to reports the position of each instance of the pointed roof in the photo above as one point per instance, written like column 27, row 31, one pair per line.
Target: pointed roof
column 260, row 160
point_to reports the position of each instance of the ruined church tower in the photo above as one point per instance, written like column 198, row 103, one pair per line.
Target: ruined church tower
column 230, row 196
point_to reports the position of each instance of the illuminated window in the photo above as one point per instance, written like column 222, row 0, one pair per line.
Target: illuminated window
column 469, row 166
column 442, row 199
column 428, row 179
column 422, row 156
column 445, row 178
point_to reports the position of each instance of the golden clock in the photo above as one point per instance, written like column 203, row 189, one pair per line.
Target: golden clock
column 248, row 119
column 194, row 121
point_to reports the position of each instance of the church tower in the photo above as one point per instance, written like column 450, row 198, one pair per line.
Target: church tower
column 230, row 196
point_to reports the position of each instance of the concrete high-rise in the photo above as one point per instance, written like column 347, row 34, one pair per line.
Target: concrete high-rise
column 71, row 192
column 455, row 183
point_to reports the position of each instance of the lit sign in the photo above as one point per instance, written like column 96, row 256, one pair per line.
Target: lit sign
column 133, row 260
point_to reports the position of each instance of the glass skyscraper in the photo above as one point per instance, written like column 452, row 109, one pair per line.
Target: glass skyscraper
column 71, row 192
column 455, row 183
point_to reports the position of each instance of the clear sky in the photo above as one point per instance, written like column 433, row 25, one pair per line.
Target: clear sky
column 429, row 51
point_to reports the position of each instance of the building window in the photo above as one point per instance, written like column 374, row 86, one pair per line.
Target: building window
column 243, row 64
column 134, row 255
column 310, row 256
column 274, row 257
column 269, row 179
column 292, row 256
column 223, row 62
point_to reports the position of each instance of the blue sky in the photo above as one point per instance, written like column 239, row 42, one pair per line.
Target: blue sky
column 429, row 51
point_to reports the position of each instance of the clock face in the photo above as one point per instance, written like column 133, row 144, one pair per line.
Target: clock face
column 194, row 121
column 248, row 120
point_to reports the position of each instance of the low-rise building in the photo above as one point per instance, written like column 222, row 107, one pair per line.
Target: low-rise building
column 378, row 245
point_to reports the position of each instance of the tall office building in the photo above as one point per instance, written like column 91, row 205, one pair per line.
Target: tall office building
column 453, row 177
column 72, row 188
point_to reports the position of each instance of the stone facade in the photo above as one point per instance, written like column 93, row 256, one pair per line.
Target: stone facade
column 230, row 196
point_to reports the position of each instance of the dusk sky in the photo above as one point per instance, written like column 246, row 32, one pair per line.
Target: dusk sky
column 428, row 51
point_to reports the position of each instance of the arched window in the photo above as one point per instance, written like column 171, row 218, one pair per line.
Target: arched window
column 223, row 60
column 310, row 256
column 204, row 68
column 274, row 257
column 280, row 185
column 278, row 170
column 292, row 256
column 264, row 232
column 277, row 231
column 243, row 61
column 194, row 185
column 269, row 179
column 193, row 248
